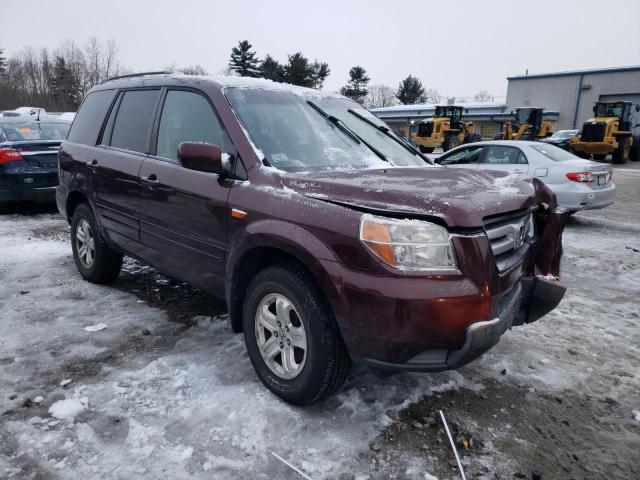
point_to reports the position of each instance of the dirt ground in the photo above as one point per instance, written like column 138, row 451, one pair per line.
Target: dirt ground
column 167, row 390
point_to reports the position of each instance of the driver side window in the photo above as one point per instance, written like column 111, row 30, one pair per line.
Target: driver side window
column 469, row 155
column 189, row 117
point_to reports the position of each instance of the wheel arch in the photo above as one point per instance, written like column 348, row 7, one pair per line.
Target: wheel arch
column 270, row 244
column 75, row 198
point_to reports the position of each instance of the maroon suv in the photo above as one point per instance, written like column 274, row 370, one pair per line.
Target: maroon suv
column 330, row 238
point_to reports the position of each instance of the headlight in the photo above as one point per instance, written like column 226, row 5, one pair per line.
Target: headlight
column 408, row 244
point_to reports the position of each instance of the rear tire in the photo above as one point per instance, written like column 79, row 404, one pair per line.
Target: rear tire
column 634, row 153
column 472, row 138
column 96, row 261
column 450, row 141
column 621, row 154
column 424, row 149
column 322, row 366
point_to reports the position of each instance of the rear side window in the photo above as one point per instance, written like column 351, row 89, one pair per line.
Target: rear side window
column 88, row 120
column 461, row 157
column 133, row 120
column 187, row 117
column 499, row 155
column 554, row 153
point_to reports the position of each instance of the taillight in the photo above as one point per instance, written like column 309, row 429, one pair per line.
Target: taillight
column 580, row 177
column 9, row 155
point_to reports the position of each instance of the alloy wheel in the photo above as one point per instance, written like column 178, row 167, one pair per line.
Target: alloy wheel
column 280, row 335
column 85, row 243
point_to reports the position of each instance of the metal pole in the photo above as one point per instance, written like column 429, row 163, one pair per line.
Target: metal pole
column 453, row 445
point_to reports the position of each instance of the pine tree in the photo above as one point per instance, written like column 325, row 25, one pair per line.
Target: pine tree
column 319, row 72
column 3, row 62
column 64, row 86
column 411, row 91
column 298, row 71
column 243, row 60
column 356, row 88
column 271, row 69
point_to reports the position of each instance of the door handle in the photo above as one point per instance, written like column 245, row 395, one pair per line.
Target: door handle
column 93, row 163
column 150, row 179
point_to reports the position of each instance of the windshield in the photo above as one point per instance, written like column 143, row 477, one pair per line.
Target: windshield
column 393, row 151
column 554, row 153
column 523, row 116
column 16, row 132
column 293, row 136
column 565, row 134
column 609, row 110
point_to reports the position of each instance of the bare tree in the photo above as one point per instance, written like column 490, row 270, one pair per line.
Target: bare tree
column 432, row 96
column 29, row 75
column 381, row 96
column 483, row 96
column 194, row 70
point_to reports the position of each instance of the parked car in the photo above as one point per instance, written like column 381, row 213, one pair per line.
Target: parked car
column 29, row 158
column 579, row 184
column 330, row 238
column 561, row 138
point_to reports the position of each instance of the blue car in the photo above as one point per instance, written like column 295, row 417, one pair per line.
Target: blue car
column 29, row 158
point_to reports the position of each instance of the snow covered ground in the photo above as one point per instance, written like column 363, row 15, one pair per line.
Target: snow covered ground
column 166, row 390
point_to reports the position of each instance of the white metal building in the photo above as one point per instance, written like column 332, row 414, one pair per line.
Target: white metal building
column 573, row 94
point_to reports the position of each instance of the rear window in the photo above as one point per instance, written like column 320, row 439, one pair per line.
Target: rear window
column 133, row 120
column 16, row 132
column 554, row 153
column 87, row 123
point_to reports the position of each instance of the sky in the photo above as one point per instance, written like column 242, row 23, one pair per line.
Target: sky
column 458, row 48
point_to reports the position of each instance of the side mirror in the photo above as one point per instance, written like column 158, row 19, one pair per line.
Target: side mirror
column 638, row 107
column 595, row 110
column 201, row 157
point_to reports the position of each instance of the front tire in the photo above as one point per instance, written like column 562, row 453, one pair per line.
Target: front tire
column 95, row 260
column 424, row 149
column 634, row 154
column 621, row 154
column 450, row 141
column 292, row 337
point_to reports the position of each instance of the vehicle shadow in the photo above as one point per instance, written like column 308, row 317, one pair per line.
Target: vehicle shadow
column 27, row 208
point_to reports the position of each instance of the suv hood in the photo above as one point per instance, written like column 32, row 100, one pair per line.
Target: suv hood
column 458, row 197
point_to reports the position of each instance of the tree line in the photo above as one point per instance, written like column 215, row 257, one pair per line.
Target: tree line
column 299, row 70
column 58, row 79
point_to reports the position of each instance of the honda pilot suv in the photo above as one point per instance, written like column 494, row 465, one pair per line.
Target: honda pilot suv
column 331, row 239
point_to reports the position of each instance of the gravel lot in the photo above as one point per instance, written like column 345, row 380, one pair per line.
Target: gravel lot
column 166, row 390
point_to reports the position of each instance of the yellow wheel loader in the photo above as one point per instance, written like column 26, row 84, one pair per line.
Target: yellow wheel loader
column 608, row 132
column 446, row 129
column 528, row 125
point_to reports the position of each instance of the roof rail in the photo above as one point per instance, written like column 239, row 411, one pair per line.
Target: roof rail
column 163, row 72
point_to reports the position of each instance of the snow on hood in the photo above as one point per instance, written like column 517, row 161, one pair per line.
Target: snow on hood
column 460, row 198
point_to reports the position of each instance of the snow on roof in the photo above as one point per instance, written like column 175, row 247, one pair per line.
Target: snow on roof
column 432, row 106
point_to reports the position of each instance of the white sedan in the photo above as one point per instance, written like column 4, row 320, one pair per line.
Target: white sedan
column 579, row 184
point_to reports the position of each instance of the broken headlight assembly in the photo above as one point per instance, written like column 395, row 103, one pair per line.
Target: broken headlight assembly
column 414, row 245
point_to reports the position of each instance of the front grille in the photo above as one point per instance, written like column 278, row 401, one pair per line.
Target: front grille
column 508, row 234
column 425, row 129
column 593, row 132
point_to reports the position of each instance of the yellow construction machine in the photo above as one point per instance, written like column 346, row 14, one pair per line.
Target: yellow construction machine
column 446, row 129
column 609, row 131
column 528, row 125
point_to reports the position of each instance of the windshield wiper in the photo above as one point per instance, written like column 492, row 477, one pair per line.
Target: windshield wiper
column 345, row 129
column 386, row 131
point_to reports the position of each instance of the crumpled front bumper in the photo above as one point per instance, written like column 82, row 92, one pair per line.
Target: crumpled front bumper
column 529, row 300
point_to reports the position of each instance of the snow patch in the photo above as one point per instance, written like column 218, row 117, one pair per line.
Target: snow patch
column 96, row 328
column 69, row 408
